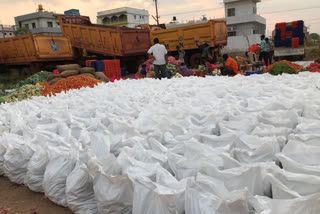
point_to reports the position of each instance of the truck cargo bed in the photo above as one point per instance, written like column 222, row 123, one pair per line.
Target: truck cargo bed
column 213, row 32
column 34, row 48
column 102, row 39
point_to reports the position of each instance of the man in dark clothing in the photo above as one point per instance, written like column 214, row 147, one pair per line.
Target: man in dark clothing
column 204, row 47
column 158, row 53
column 230, row 67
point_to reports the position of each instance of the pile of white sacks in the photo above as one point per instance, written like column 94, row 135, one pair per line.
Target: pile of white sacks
column 241, row 145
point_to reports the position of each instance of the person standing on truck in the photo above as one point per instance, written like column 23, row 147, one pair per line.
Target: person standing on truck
column 204, row 47
column 181, row 53
column 159, row 55
column 263, row 50
column 270, row 50
column 230, row 67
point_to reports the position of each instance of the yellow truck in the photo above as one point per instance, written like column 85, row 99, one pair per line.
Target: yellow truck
column 187, row 35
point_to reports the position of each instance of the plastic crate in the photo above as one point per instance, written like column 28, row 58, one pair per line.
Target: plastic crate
column 123, row 72
column 99, row 66
column 295, row 42
column 89, row 63
column 248, row 73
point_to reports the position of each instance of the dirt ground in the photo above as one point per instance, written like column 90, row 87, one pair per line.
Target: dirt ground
column 16, row 199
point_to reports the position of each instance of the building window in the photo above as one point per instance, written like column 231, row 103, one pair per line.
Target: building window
column 26, row 25
column 254, row 10
column 5, row 34
column 10, row 34
column 50, row 24
column 232, row 33
column 123, row 18
column 135, row 17
column 58, row 23
column 33, row 25
column 231, row 12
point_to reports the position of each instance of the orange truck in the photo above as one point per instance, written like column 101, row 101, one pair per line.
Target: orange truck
column 102, row 39
column 213, row 32
column 33, row 49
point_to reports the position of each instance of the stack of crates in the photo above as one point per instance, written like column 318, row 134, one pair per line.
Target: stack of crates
column 289, row 34
column 112, row 68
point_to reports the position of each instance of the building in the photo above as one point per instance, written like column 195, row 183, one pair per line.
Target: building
column 6, row 31
column 243, row 24
column 72, row 12
column 40, row 22
column 125, row 16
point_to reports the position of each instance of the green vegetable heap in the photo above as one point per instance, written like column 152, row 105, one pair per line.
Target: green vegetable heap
column 281, row 68
column 38, row 77
column 23, row 93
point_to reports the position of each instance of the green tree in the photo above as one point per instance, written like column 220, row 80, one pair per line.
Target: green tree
column 21, row 31
column 314, row 36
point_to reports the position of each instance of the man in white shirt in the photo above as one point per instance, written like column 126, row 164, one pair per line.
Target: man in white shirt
column 160, row 58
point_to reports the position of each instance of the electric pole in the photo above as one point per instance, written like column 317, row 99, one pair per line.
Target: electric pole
column 157, row 14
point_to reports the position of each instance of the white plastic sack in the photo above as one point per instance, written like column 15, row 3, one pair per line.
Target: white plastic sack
column 309, row 139
column 297, row 151
column 280, row 118
column 114, row 194
column 263, row 130
column 218, row 141
column 307, row 126
column 306, row 205
column 16, row 159
column 55, row 176
column 147, row 156
column 243, row 126
column 207, row 195
column 36, row 168
column 263, row 153
column 99, row 144
column 151, row 197
column 294, row 166
column 250, row 177
column 79, row 191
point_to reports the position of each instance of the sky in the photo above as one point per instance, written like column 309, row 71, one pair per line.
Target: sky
column 273, row 10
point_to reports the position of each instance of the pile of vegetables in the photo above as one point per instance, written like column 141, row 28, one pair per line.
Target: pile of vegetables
column 295, row 66
column 23, row 93
column 32, row 80
column 177, row 75
column 314, row 67
column 73, row 82
column 280, row 68
column 173, row 61
column 202, row 68
column 172, row 68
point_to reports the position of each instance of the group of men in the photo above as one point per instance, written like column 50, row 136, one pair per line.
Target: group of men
column 266, row 50
column 159, row 54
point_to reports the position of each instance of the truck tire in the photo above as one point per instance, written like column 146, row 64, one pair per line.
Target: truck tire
column 195, row 60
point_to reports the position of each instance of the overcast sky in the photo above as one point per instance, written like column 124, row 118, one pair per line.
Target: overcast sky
column 307, row 10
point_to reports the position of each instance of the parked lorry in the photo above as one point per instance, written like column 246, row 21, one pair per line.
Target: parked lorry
column 31, row 49
column 107, row 40
column 289, row 40
column 187, row 35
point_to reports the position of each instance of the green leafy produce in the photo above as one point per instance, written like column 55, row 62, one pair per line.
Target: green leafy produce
column 202, row 68
column 23, row 93
column 38, row 77
column 281, row 68
column 172, row 68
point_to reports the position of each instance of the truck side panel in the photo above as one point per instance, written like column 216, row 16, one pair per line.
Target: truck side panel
column 52, row 47
column 213, row 32
column 106, row 40
column 32, row 48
